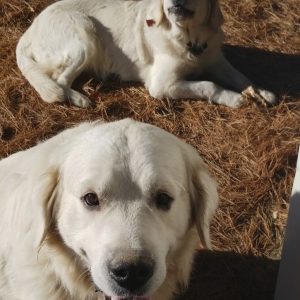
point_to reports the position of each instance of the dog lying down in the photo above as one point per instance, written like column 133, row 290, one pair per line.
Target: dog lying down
column 168, row 45
column 102, row 211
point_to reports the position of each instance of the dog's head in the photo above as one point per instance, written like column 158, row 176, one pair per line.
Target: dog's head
column 127, row 195
column 198, row 20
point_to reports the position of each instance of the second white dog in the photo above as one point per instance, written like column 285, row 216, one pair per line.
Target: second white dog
column 166, row 44
column 111, row 207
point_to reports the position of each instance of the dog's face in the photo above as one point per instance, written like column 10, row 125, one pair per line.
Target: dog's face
column 184, row 11
column 126, row 202
column 199, row 20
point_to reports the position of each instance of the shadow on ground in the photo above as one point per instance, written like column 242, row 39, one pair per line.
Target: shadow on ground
column 231, row 276
column 273, row 71
column 277, row 72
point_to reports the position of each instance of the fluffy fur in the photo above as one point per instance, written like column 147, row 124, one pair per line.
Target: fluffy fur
column 54, row 246
column 169, row 45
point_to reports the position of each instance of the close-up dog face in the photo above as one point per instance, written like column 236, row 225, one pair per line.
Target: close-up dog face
column 199, row 19
column 125, row 201
column 183, row 11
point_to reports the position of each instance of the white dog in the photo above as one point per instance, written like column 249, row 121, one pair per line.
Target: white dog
column 102, row 211
column 166, row 44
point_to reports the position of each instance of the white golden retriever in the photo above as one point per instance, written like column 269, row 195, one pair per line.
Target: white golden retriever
column 166, row 44
column 102, row 211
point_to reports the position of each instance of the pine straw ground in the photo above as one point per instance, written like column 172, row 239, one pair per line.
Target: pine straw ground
column 251, row 150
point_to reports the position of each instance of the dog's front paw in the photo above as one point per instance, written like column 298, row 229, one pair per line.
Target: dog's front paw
column 229, row 98
column 268, row 96
column 78, row 99
column 260, row 95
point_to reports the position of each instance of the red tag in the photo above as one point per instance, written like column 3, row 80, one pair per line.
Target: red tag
column 150, row 22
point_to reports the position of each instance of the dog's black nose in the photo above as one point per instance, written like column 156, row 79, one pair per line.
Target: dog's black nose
column 132, row 275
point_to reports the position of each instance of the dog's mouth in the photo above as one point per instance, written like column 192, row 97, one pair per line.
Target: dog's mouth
column 181, row 12
column 122, row 298
column 128, row 298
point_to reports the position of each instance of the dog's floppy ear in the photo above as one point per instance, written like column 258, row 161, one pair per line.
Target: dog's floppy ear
column 216, row 18
column 44, row 195
column 204, row 197
column 155, row 13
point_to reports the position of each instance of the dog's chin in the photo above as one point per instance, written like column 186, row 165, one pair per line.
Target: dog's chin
column 180, row 12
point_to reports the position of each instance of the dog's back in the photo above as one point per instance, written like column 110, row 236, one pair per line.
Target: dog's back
column 73, row 36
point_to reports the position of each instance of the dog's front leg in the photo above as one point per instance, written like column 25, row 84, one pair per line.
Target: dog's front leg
column 166, row 80
column 205, row 90
column 225, row 74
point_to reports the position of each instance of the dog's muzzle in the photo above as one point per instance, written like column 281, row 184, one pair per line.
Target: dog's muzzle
column 130, row 273
column 196, row 49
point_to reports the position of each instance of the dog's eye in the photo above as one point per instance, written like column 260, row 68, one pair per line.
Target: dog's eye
column 163, row 201
column 90, row 199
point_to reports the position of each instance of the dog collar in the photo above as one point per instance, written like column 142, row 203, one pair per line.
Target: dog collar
column 196, row 49
column 150, row 22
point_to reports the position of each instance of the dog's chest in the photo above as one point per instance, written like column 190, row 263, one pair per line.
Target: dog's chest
column 116, row 27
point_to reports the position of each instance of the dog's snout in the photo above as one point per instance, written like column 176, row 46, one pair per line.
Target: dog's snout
column 131, row 274
column 196, row 49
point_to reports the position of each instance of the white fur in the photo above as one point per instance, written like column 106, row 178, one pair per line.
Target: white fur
column 104, row 36
column 44, row 225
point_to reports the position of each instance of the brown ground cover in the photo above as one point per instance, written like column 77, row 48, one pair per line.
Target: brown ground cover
column 251, row 150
